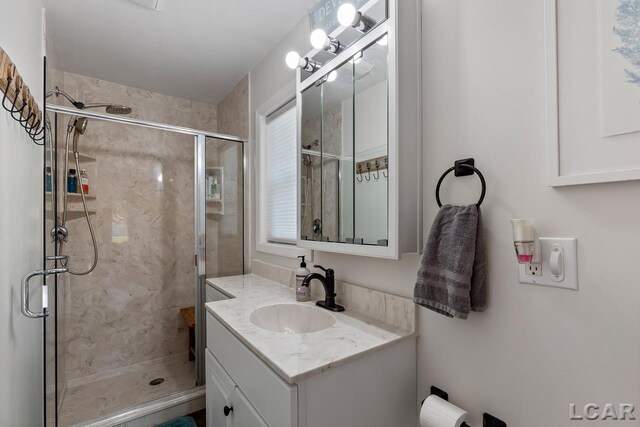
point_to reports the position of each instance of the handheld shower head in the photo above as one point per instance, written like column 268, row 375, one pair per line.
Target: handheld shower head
column 79, row 128
column 81, row 125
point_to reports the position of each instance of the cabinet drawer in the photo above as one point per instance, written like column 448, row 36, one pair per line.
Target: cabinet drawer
column 273, row 398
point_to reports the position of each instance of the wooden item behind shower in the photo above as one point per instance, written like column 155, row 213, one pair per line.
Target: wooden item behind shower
column 189, row 316
column 17, row 98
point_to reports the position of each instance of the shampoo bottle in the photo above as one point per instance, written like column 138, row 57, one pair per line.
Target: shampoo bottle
column 303, row 293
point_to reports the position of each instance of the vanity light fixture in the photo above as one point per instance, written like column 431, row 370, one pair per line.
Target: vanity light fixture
column 320, row 40
column 294, row 60
column 349, row 16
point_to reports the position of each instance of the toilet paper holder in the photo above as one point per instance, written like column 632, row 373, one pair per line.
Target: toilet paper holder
column 488, row 420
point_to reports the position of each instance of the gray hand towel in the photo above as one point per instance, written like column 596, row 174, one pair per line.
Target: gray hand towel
column 452, row 275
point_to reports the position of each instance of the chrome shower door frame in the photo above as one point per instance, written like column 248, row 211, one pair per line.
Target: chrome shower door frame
column 200, row 260
column 199, row 180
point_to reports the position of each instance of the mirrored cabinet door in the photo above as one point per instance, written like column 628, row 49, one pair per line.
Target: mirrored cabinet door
column 337, row 159
column 371, row 134
column 311, row 164
column 344, row 146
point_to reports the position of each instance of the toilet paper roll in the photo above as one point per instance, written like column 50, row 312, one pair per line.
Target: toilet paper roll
column 437, row 412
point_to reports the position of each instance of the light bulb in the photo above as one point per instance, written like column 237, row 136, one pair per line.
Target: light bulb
column 383, row 41
column 293, row 59
column 332, row 76
column 346, row 14
column 318, row 39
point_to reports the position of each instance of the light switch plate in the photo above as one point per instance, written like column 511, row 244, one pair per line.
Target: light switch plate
column 570, row 249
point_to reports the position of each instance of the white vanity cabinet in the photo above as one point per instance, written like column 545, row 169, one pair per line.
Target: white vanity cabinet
column 376, row 389
column 226, row 405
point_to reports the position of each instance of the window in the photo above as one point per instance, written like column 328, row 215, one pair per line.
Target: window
column 279, row 186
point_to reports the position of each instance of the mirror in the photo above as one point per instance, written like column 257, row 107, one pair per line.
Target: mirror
column 344, row 149
column 371, row 145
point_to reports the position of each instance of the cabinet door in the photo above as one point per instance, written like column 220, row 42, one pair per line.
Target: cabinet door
column 219, row 395
column 244, row 414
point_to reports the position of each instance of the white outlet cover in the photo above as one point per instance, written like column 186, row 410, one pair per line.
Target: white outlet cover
column 570, row 248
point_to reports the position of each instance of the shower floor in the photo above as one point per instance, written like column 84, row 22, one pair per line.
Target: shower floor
column 101, row 394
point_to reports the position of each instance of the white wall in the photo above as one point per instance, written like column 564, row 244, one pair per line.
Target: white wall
column 535, row 349
column 21, row 395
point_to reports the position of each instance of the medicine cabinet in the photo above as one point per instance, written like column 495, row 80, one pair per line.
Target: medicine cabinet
column 359, row 150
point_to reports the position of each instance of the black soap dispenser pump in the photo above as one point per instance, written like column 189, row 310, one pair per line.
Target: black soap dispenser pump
column 303, row 293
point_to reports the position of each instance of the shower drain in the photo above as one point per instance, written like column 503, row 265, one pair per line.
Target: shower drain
column 156, row 381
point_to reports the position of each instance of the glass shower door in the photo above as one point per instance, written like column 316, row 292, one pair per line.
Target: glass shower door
column 224, row 208
column 219, row 223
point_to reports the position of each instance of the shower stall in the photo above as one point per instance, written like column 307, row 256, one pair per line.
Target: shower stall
column 162, row 211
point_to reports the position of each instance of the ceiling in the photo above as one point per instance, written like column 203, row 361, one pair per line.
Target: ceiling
column 195, row 49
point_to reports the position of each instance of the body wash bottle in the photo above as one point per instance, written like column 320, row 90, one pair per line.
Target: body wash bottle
column 303, row 293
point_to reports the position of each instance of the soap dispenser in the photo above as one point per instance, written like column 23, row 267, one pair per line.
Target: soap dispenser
column 303, row 293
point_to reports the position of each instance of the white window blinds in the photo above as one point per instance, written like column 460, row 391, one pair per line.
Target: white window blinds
column 281, row 190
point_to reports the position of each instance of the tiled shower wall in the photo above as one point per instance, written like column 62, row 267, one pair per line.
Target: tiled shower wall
column 128, row 310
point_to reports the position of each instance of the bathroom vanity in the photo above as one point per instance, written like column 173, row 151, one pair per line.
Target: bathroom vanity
column 271, row 361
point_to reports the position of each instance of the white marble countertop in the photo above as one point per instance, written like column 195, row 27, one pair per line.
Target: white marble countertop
column 296, row 356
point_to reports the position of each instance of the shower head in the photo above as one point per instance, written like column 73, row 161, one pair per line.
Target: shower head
column 79, row 128
column 118, row 109
column 109, row 108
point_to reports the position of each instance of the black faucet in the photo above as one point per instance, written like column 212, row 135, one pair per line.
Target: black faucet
column 329, row 283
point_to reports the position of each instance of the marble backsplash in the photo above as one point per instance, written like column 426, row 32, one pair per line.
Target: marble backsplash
column 388, row 308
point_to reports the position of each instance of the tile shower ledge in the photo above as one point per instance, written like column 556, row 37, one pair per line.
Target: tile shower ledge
column 296, row 356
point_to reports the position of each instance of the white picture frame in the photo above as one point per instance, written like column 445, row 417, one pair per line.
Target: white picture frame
column 557, row 146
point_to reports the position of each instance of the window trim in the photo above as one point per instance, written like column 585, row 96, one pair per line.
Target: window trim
column 280, row 99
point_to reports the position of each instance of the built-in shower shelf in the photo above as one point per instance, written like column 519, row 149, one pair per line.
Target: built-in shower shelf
column 75, row 209
column 83, row 158
column 77, row 197
column 215, row 208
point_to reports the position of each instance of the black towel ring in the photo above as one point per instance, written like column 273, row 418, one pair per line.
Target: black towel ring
column 463, row 167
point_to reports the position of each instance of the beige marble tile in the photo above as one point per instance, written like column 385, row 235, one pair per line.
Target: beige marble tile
column 233, row 111
column 284, row 276
column 128, row 310
column 361, row 300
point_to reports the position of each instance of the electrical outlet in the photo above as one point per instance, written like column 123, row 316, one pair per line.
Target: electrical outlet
column 533, row 269
column 542, row 274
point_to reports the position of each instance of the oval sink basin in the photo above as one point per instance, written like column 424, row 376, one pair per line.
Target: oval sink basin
column 292, row 318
